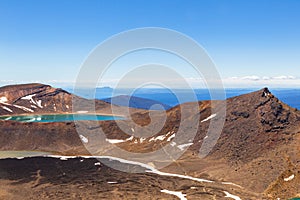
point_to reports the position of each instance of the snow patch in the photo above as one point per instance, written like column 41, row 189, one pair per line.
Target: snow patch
column 3, row 99
column 229, row 183
column 114, row 141
column 112, row 182
column 210, row 117
column 160, row 137
column 130, row 138
column 97, row 164
column 150, row 169
column 291, row 177
column 142, row 140
column 60, row 157
column 39, row 103
column 17, row 106
column 6, row 108
column 82, row 111
column 83, row 139
column 231, row 196
column 132, row 129
column 30, row 98
column 178, row 194
column 183, row 146
column 171, row 137
column 23, row 108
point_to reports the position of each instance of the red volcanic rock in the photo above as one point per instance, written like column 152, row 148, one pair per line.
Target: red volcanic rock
column 258, row 148
column 37, row 98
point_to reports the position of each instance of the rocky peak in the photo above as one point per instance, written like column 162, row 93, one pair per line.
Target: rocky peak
column 262, row 105
column 34, row 97
column 265, row 92
column 13, row 93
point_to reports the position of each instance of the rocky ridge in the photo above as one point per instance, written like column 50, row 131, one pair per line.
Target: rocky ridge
column 258, row 148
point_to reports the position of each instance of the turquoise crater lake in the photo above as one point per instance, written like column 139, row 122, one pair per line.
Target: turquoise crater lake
column 60, row 118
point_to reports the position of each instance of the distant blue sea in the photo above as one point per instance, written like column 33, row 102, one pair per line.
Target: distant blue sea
column 174, row 97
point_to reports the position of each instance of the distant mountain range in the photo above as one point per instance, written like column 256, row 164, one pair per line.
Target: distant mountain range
column 137, row 102
column 257, row 155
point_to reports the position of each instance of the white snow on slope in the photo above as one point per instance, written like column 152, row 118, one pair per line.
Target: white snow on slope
column 160, row 137
column 142, row 140
column 81, row 111
column 183, row 146
column 60, row 157
column 150, row 169
column 153, row 170
column 231, row 196
column 39, row 103
column 23, row 108
column 30, row 98
column 83, row 139
column 17, row 106
column 114, row 141
column 6, row 108
column 291, row 177
column 3, row 99
column 210, row 117
column 130, row 138
column 229, row 183
column 178, row 194
column 171, row 137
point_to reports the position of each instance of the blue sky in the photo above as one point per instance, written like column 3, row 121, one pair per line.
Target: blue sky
column 252, row 43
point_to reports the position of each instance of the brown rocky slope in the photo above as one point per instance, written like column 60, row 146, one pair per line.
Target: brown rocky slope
column 257, row 149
